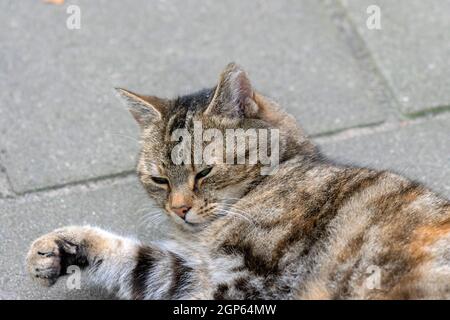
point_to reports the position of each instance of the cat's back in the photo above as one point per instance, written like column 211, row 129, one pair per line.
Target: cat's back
column 388, row 237
column 330, row 228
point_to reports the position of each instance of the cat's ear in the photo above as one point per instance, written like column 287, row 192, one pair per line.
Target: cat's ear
column 234, row 95
column 145, row 109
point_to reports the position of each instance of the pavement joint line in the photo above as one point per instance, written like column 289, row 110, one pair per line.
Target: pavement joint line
column 10, row 191
column 349, row 133
column 430, row 111
column 333, row 133
column 80, row 185
column 353, row 132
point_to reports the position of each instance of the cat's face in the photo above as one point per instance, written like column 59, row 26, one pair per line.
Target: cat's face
column 192, row 194
column 195, row 191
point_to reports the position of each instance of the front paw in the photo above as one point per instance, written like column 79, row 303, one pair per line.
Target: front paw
column 47, row 258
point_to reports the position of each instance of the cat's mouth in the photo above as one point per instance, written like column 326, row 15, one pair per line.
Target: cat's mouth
column 195, row 222
column 194, row 226
column 192, row 220
column 192, row 223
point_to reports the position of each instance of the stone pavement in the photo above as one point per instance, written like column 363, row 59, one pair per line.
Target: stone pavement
column 68, row 147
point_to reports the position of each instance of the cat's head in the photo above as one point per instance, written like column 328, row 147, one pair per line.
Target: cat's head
column 195, row 187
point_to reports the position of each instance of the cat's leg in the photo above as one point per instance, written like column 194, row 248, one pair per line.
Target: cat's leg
column 121, row 265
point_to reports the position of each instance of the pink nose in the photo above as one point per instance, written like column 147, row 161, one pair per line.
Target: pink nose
column 181, row 211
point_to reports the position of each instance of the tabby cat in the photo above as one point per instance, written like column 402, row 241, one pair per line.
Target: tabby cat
column 311, row 230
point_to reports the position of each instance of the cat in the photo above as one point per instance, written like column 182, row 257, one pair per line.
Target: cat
column 311, row 229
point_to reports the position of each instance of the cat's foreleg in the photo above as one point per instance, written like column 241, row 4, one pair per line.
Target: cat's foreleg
column 121, row 265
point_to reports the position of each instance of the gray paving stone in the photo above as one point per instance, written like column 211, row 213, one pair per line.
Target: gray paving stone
column 60, row 121
column 119, row 207
column 419, row 151
column 412, row 49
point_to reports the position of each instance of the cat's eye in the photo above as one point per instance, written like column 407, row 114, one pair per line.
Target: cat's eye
column 203, row 173
column 160, row 180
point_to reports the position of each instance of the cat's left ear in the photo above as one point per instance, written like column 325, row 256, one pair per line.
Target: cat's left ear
column 145, row 109
column 234, row 95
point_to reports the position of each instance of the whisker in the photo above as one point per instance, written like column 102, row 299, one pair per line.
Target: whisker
column 232, row 198
column 233, row 206
column 124, row 136
column 145, row 207
column 236, row 201
column 152, row 213
column 150, row 216
column 243, row 213
column 150, row 220
column 226, row 212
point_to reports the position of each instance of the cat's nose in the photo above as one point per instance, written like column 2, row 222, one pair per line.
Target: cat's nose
column 181, row 211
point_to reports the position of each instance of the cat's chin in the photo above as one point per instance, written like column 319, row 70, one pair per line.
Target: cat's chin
column 191, row 226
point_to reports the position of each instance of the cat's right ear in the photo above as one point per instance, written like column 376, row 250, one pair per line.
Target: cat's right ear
column 234, row 95
column 145, row 109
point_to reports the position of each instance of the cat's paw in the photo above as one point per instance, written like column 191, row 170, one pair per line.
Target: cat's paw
column 45, row 259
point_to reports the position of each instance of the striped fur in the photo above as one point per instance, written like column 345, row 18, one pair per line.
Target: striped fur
column 313, row 230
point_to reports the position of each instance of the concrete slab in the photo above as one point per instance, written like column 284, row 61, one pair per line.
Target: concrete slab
column 412, row 49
